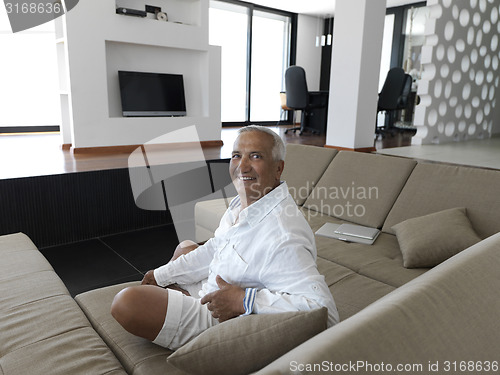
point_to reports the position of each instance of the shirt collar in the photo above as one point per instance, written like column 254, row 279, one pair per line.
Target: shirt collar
column 258, row 210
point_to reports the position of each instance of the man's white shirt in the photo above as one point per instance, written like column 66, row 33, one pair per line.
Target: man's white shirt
column 270, row 252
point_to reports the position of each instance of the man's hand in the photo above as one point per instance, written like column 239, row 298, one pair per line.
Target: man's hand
column 149, row 279
column 225, row 303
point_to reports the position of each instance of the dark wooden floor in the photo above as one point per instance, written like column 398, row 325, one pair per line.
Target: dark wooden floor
column 25, row 155
column 398, row 139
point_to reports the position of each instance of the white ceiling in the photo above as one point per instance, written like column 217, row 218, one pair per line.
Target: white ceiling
column 315, row 7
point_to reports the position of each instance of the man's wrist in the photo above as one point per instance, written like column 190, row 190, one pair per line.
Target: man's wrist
column 249, row 300
column 158, row 278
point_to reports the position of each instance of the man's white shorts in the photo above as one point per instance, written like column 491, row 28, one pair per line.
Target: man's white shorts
column 186, row 318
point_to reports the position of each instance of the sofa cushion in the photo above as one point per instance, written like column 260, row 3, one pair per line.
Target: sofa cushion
column 351, row 291
column 304, row 166
column 20, row 257
column 16, row 242
column 137, row 355
column 428, row 240
column 22, row 292
column 381, row 261
column 78, row 351
column 19, row 331
column 359, row 187
column 437, row 187
column 246, row 344
column 433, row 318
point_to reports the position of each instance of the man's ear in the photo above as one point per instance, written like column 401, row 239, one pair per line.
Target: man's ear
column 279, row 170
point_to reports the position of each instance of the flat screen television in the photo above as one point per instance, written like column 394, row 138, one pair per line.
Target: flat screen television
column 151, row 94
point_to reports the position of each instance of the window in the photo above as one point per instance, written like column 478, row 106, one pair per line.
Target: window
column 385, row 62
column 228, row 29
column 256, row 50
column 29, row 92
column 270, row 51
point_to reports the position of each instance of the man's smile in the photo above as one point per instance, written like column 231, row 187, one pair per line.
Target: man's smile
column 246, row 178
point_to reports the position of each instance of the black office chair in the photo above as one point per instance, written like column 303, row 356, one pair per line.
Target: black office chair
column 297, row 97
column 393, row 98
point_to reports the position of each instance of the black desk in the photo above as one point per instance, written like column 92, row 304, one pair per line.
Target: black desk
column 318, row 114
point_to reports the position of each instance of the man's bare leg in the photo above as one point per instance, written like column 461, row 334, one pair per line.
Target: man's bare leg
column 183, row 248
column 142, row 309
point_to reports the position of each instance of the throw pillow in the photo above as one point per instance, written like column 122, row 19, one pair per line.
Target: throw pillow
column 246, row 344
column 428, row 240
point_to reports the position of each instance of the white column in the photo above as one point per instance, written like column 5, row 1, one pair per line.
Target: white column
column 357, row 49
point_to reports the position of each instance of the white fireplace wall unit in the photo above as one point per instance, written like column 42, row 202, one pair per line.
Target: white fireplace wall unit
column 94, row 43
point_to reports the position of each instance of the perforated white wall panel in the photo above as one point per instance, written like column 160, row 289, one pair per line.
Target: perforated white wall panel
column 460, row 78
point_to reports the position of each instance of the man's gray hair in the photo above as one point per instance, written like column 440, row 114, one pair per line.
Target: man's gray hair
column 279, row 149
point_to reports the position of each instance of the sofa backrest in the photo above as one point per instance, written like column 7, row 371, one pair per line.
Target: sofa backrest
column 447, row 314
column 436, row 187
column 304, row 166
column 360, row 187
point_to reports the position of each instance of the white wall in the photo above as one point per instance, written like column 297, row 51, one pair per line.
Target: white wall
column 460, row 82
column 308, row 55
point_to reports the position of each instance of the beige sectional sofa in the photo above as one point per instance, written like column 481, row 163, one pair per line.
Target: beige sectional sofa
column 393, row 318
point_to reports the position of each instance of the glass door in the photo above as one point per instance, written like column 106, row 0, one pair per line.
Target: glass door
column 229, row 29
column 270, row 58
column 256, row 45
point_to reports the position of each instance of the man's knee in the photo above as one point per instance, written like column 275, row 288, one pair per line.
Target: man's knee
column 141, row 310
column 187, row 243
column 183, row 248
column 122, row 305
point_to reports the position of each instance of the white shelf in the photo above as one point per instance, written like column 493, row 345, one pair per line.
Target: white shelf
column 185, row 11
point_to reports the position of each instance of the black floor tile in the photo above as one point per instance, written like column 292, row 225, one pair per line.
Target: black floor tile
column 89, row 264
column 145, row 249
column 136, row 277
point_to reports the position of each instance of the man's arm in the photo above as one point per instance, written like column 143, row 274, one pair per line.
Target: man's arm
column 292, row 282
column 188, row 268
column 288, row 281
column 183, row 248
column 231, row 301
column 297, row 287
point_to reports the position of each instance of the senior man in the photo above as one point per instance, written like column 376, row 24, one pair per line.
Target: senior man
column 262, row 258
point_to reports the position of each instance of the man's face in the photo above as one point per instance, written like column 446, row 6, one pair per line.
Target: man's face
column 252, row 168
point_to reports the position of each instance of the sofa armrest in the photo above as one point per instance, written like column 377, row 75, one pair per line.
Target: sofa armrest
column 207, row 216
column 43, row 331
